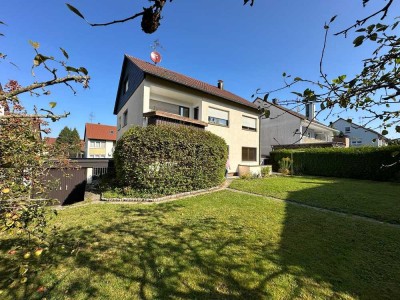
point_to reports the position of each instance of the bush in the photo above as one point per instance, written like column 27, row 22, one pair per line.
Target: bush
column 167, row 159
column 372, row 163
column 265, row 171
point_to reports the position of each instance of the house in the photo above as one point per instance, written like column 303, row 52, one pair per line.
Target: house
column 151, row 95
column 285, row 127
column 360, row 135
column 99, row 140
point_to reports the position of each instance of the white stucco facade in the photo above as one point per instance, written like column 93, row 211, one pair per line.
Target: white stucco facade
column 358, row 135
column 155, row 94
column 285, row 128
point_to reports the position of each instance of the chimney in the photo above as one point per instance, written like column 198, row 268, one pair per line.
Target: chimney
column 310, row 111
column 220, row 84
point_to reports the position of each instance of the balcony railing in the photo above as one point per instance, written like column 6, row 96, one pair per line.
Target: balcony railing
column 161, row 117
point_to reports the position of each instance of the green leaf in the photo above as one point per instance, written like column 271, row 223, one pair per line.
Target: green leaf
column 333, row 19
column 53, row 104
column 284, row 74
column 323, row 106
column 83, row 70
column 75, row 11
column 373, row 36
column 358, row 40
column 64, row 53
column 266, row 97
column 398, row 129
column 297, row 94
column 385, row 132
column 267, row 113
column 72, row 69
column 394, row 154
column 35, row 45
column 297, row 79
column 39, row 58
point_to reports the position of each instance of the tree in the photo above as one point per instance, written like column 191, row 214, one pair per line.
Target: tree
column 25, row 161
column 69, row 142
column 375, row 90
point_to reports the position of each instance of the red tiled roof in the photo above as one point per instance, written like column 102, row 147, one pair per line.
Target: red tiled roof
column 172, row 76
column 50, row 140
column 101, row 132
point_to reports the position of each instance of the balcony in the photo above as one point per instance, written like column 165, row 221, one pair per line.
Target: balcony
column 158, row 117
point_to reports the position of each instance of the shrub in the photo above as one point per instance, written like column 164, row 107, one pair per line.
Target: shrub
column 361, row 163
column 167, row 159
column 285, row 165
column 265, row 171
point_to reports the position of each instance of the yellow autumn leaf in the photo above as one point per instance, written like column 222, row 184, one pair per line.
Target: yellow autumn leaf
column 5, row 191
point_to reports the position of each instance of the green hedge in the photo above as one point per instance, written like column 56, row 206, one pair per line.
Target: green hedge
column 362, row 163
column 167, row 159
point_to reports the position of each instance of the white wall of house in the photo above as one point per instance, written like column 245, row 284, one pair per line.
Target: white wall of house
column 134, row 105
column 106, row 149
column 281, row 128
column 359, row 136
column 155, row 94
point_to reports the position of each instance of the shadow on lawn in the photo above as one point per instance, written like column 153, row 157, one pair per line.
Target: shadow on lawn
column 349, row 257
column 157, row 252
column 161, row 258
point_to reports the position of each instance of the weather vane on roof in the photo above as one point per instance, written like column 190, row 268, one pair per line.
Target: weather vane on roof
column 155, row 55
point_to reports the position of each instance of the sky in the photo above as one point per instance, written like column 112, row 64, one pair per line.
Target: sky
column 247, row 47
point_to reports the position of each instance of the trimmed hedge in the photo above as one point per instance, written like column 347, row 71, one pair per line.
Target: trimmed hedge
column 372, row 163
column 167, row 159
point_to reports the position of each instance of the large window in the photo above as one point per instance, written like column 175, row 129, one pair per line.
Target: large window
column 347, row 129
column 249, row 154
column 125, row 118
column 218, row 117
column 184, row 111
column 97, row 144
column 249, row 123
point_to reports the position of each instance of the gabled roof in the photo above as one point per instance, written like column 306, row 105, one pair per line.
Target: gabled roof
column 184, row 80
column 296, row 114
column 50, row 140
column 100, row 132
column 354, row 125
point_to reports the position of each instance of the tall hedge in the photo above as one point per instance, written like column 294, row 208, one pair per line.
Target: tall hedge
column 372, row 163
column 166, row 159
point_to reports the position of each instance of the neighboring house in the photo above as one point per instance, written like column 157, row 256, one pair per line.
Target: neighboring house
column 99, row 140
column 148, row 94
column 286, row 127
column 359, row 135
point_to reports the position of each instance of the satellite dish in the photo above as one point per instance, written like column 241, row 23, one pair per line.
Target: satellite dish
column 155, row 57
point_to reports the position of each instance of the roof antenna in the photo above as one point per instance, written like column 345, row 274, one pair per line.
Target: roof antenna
column 155, row 55
column 91, row 117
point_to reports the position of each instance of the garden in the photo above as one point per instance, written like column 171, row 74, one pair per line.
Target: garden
column 224, row 245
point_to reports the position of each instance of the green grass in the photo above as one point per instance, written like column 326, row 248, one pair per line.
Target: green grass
column 223, row 245
column 378, row 200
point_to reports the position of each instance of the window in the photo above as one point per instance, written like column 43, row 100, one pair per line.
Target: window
column 347, row 129
column 196, row 113
column 97, row 144
column 126, row 85
column 184, row 111
column 218, row 117
column 125, row 118
column 249, row 123
column 356, row 141
column 249, row 154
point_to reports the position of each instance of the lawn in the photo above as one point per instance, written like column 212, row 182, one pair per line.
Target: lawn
column 223, row 245
column 379, row 200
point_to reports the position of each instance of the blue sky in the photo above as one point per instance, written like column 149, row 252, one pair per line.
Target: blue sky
column 247, row 47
